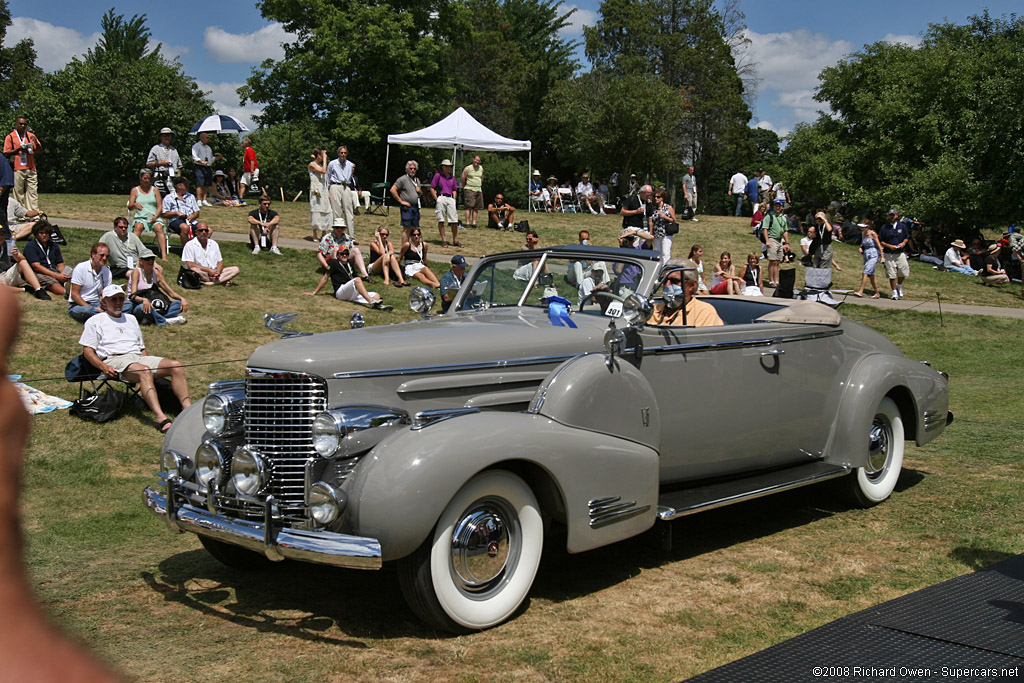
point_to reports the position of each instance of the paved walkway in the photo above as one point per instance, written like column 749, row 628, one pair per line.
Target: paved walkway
column 889, row 304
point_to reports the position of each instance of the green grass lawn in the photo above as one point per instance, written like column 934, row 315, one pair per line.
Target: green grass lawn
column 738, row 579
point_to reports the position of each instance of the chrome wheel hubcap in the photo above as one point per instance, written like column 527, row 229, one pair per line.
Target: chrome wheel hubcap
column 482, row 542
column 879, row 446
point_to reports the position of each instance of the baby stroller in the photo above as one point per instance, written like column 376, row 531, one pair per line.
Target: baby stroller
column 817, row 286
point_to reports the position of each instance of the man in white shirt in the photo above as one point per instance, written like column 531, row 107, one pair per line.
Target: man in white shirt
column 112, row 342
column 736, row 187
column 690, row 191
column 953, row 259
column 585, row 191
column 181, row 210
column 164, row 160
column 339, row 182
column 87, row 282
column 764, row 187
column 202, row 256
column 203, row 158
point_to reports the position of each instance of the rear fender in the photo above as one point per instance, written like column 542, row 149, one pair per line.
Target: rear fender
column 606, row 488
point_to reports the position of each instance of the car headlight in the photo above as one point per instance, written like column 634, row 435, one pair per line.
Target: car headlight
column 325, row 502
column 421, row 300
column 330, row 428
column 248, row 472
column 222, row 409
column 177, row 465
column 211, row 462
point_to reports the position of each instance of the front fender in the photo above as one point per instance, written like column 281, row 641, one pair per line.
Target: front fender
column 187, row 431
column 607, row 486
column 921, row 393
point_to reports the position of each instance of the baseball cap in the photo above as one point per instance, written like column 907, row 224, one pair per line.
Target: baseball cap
column 459, row 260
column 112, row 290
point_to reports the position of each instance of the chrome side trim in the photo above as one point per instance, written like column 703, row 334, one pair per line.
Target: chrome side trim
column 667, row 513
column 736, row 343
column 321, row 547
column 608, row 510
column 480, row 365
column 425, row 418
column 933, row 419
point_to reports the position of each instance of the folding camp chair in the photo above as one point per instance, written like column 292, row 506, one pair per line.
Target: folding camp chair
column 567, row 200
column 378, row 196
column 80, row 370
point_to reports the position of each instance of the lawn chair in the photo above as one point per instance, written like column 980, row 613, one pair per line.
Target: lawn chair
column 567, row 200
column 817, row 286
column 378, row 197
column 80, row 370
column 537, row 203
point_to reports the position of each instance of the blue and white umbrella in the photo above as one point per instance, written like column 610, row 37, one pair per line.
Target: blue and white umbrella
column 218, row 123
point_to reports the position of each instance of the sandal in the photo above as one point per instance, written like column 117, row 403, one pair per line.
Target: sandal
column 457, row 244
column 876, row 296
column 857, row 294
column 444, row 243
column 164, row 423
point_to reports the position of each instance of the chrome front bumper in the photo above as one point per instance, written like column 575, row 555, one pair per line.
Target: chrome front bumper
column 320, row 547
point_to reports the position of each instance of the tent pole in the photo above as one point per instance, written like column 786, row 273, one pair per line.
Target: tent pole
column 384, row 192
column 529, row 177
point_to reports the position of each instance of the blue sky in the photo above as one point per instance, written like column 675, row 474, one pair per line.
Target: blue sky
column 790, row 40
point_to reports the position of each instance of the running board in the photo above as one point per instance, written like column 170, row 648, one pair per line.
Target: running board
column 687, row 502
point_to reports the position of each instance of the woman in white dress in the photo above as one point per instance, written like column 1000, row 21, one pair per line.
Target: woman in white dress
column 319, row 202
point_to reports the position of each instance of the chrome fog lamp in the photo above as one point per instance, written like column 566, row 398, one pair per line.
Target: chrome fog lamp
column 215, row 414
column 327, row 433
column 421, row 299
column 211, row 462
column 248, row 471
column 324, row 502
column 177, row 465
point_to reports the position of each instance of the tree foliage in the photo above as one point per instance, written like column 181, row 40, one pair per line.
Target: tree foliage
column 122, row 39
column 17, row 65
column 933, row 130
column 99, row 117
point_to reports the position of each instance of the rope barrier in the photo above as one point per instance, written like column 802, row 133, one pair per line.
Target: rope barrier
column 37, row 380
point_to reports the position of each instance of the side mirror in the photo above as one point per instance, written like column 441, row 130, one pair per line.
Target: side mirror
column 421, row 300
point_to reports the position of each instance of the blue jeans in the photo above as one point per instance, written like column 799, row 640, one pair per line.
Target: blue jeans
column 83, row 313
column 739, row 204
column 159, row 318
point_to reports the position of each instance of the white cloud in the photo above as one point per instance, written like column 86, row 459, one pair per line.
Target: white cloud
column 245, row 48
column 580, row 18
column 912, row 41
column 768, row 125
column 225, row 101
column 55, row 45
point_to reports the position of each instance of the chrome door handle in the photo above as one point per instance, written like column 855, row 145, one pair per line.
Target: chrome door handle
column 774, row 352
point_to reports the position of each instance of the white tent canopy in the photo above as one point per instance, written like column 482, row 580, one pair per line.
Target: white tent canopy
column 458, row 131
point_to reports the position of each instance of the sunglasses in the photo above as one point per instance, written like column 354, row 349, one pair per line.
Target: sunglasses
column 415, row 234
column 675, row 281
column 202, row 232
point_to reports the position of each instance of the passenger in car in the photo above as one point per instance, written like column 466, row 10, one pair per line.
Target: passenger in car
column 680, row 307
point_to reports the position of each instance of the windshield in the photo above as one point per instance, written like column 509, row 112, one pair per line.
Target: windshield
column 588, row 284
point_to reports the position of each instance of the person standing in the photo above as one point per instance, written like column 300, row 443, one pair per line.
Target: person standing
column 764, row 186
column 319, row 202
column 473, row 190
column 894, row 237
column 164, row 160
column 663, row 216
column 869, row 250
column 203, row 158
column 407, row 192
column 750, row 192
column 21, row 146
column 737, row 185
column 443, row 187
column 690, row 192
column 339, row 181
column 774, row 235
column 636, row 210
column 250, row 171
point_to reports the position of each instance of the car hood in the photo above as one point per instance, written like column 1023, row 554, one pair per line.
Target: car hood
column 472, row 336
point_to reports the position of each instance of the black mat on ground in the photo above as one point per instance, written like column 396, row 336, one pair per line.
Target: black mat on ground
column 970, row 628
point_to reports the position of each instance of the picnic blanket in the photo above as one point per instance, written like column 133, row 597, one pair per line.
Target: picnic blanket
column 36, row 401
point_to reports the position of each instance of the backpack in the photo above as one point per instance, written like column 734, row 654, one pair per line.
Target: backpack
column 102, row 407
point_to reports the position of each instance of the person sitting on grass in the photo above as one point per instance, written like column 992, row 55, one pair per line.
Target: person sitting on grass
column 20, row 275
column 384, row 260
column 112, row 341
column 202, row 256
column 338, row 237
column 347, row 285
column 414, row 260
column 125, row 249
column 500, row 216
column 148, row 277
column 46, row 260
column 264, row 222
column 20, row 219
column 87, row 282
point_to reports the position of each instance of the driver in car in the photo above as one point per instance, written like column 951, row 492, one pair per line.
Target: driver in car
column 678, row 294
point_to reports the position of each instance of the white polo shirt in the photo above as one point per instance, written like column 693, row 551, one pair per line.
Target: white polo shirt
column 92, row 282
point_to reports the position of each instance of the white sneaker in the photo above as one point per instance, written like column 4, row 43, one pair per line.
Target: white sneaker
column 205, row 203
column 895, row 296
column 177, row 320
column 899, row 289
column 256, row 249
column 592, row 211
column 275, row 250
column 694, row 220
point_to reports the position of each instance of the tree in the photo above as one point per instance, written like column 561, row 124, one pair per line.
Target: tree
column 357, row 70
column 17, row 65
column 100, row 116
column 930, row 130
column 123, row 40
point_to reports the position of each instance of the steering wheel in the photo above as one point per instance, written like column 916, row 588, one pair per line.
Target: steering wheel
column 601, row 292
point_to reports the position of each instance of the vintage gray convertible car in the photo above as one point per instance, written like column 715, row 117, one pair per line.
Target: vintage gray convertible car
column 540, row 402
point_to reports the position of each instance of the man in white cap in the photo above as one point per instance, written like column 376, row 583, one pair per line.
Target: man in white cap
column 112, row 341
column 164, row 160
column 443, row 187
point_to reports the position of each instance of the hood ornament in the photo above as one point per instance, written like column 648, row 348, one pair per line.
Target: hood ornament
column 278, row 321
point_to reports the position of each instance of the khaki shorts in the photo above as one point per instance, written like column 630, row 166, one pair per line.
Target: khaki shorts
column 246, row 179
column 121, row 362
column 896, row 266
column 12, row 277
column 473, row 199
column 774, row 250
column 446, row 212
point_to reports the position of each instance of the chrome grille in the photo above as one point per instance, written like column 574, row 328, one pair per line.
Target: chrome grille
column 279, row 412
